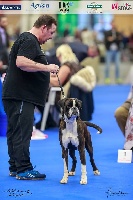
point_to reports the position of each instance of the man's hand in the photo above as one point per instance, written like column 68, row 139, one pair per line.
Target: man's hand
column 110, row 38
column 53, row 68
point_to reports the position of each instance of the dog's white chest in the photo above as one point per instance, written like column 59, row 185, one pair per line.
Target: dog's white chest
column 70, row 134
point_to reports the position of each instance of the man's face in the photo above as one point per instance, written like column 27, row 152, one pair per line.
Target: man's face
column 3, row 22
column 47, row 33
column 92, row 51
column 1, row 64
column 113, row 25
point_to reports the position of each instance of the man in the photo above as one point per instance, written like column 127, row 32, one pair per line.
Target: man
column 4, row 42
column 112, row 43
column 66, row 31
column 25, row 86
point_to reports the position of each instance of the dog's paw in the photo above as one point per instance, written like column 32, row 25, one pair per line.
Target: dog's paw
column 96, row 172
column 83, row 181
column 71, row 173
column 64, row 180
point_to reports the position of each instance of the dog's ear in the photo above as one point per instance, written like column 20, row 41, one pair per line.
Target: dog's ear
column 79, row 103
column 61, row 102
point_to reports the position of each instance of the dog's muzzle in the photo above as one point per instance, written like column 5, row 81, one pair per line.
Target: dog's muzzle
column 74, row 111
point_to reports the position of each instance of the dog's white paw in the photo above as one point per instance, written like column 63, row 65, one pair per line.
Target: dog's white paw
column 96, row 172
column 71, row 173
column 83, row 181
column 64, row 180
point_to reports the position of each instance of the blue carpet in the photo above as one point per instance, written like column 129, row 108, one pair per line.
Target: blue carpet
column 115, row 181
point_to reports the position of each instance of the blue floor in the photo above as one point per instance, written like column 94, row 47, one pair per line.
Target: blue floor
column 115, row 181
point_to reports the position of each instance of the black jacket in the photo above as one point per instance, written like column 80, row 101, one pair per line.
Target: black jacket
column 117, row 40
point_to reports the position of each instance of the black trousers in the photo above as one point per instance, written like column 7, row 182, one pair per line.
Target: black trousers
column 20, row 118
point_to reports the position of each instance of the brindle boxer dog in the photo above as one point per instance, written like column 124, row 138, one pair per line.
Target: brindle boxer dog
column 73, row 135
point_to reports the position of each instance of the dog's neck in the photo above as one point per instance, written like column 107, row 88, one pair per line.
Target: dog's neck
column 71, row 120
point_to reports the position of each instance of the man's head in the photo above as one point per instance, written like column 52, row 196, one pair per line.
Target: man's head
column 46, row 25
column 93, row 51
column 113, row 24
column 1, row 64
column 3, row 22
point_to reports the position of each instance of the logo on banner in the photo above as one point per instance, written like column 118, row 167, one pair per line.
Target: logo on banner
column 64, row 7
column 39, row 5
column 94, row 8
column 10, row 7
column 125, row 6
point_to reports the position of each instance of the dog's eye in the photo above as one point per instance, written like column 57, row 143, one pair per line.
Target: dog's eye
column 76, row 104
column 68, row 106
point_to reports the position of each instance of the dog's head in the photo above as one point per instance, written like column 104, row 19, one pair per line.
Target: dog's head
column 70, row 107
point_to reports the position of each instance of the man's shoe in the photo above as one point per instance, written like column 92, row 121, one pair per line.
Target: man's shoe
column 13, row 174
column 30, row 175
column 118, row 81
column 107, row 81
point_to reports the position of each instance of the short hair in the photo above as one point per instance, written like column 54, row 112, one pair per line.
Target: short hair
column 2, row 16
column 47, row 20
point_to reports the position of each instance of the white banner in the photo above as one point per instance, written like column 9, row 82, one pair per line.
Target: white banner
column 66, row 7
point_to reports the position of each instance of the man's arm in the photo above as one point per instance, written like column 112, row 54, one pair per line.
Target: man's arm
column 29, row 65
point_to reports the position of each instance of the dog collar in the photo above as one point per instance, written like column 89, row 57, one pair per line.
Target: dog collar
column 71, row 120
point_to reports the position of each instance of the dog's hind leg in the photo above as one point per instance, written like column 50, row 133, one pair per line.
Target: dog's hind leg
column 83, row 180
column 89, row 148
column 65, row 158
column 74, row 161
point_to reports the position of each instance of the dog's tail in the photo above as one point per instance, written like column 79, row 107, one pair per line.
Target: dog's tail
column 94, row 126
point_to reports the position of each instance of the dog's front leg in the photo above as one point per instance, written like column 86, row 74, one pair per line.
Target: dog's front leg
column 74, row 162
column 65, row 158
column 83, row 180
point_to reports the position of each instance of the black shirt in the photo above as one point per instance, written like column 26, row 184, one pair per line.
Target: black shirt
column 21, row 85
column 117, row 39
